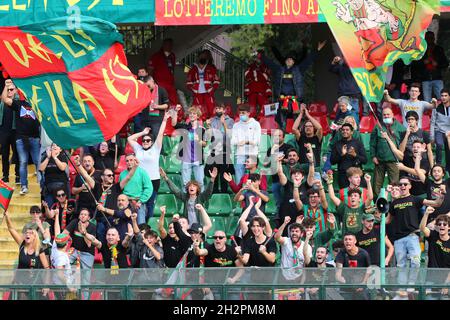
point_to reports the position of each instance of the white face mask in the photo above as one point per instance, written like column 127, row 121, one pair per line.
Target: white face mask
column 388, row 120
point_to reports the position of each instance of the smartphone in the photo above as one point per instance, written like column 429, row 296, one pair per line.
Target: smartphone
column 317, row 176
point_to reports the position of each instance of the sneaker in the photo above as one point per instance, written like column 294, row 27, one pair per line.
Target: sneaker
column 17, row 180
column 23, row 190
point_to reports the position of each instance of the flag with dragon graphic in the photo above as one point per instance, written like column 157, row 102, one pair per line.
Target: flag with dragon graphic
column 373, row 34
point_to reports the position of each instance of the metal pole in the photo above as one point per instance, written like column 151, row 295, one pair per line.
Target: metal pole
column 383, row 241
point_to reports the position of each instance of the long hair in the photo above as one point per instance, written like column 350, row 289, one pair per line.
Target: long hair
column 37, row 242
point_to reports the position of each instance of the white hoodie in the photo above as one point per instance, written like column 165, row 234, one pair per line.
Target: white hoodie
column 246, row 131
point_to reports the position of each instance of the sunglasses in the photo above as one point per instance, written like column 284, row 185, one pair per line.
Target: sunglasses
column 442, row 224
column 9, row 90
column 108, row 175
column 146, row 140
column 404, row 184
column 218, row 237
column 60, row 194
column 35, row 212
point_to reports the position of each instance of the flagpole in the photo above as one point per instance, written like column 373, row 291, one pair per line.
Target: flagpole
column 87, row 187
column 381, row 128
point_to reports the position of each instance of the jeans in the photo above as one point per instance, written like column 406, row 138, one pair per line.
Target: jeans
column 23, row 149
column 141, row 213
column 239, row 168
column 407, row 249
column 277, row 193
column 137, row 120
column 186, row 172
column 151, row 202
column 440, row 139
column 430, row 87
column 86, row 264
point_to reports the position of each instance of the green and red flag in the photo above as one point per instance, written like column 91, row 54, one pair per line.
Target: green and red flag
column 6, row 193
column 373, row 34
column 75, row 78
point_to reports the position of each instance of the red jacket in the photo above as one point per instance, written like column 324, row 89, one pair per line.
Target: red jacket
column 161, row 71
column 257, row 79
column 211, row 79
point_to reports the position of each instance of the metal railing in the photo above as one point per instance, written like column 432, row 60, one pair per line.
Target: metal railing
column 230, row 68
column 254, row 283
column 140, row 37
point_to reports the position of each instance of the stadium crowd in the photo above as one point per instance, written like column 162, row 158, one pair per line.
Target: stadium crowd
column 299, row 191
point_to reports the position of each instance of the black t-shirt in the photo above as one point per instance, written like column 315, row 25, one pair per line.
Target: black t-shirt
column 432, row 194
column 28, row 261
column 52, row 173
column 405, row 213
column 163, row 98
column 371, row 243
column 420, row 135
column 220, row 259
column 288, row 206
column 316, row 145
column 27, row 124
column 78, row 239
column 173, row 251
column 121, row 256
column 313, row 264
column 284, row 148
column 70, row 215
column 438, row 251
column 359, row 260
column 417, row 186
column 256, row 258
column 247, row 195
column 84, row 198
column 111, row 195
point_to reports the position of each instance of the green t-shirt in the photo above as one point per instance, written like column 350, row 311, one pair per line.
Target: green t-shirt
column 350, row 217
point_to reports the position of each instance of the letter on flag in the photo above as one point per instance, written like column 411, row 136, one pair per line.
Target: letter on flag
column 76, row 80
column 373, row 34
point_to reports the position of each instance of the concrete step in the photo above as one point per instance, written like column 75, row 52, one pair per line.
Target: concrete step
column 8, row 264
column 9, row 253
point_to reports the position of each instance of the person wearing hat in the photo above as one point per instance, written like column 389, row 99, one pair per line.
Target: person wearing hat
column 288, row 83
column 346, row 153
column 369, row 239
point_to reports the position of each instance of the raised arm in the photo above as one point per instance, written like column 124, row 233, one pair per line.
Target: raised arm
column 8, row 84
column 281, row 175
column 421, row 173
column 159, row 138
column 423, row 223
column 206, row 220
column 311, row 170
column 306, row 252
column 388, row 98
column 132, row 140
column 369, row 199
column 243, row 219
column 316, row 124
column 84, row 175
column 333, row 197
column 404, row 142
column 161, row 229
column 267, row 228
column 279, row 234
column 298, row 201
column 18, row 238
column 296, row 125
column 128, row 236
column 399, row 154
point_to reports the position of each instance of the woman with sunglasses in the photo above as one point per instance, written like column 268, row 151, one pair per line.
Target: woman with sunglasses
column 105, row 155
column 37, row 223
column 53, row 166
column 63, row 207
column 148, row 155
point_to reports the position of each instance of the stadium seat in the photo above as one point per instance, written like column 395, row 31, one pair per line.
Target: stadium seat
column 334, row 111
column 153, row 223
column 367, row 124
column 365, row 137
column 318, row 108
column 289, row 125
column 268, row 123
column 426, row 122
column 167, row 200
column 220, row 204
column 218, row 223
column 164, row 187
column 324, row 123
column 289, row 138
column 265, row 143
column 232, row 225
column 98, row 258
column 271, row 206
column 172, row 164
column 398, row 117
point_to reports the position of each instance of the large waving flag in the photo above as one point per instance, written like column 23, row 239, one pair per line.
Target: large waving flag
column 6, row 193
column 373, row 34
column 76, row 79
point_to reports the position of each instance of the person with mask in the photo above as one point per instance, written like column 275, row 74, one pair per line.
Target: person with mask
column 258, row 88
column 142, row 73
column 153, row 114
column 246, row 137
column 380, row 151
column 288, row 83
column 148, row 156
column 203, row 81
column 161, row 67
column 218, row 132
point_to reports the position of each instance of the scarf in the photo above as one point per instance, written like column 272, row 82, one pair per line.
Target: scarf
column 64, row 215
column 154, row 100
column 318, row 215
column 114, row 262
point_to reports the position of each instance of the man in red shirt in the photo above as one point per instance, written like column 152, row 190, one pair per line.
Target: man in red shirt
column 258, row 88
column 203, row 81
column 162, row 67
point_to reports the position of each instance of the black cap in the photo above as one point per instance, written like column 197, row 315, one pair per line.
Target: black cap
column 196, row 227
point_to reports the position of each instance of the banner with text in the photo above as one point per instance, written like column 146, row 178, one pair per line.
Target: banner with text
column 76, row 81
column 21, row 12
